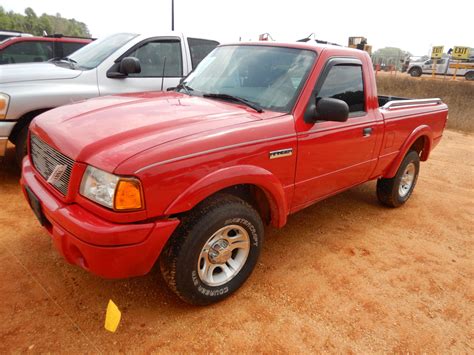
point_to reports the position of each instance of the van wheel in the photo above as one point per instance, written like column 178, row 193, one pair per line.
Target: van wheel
column 20, row 145
column 213, row 251
column 396, row 191
column 415, row 72
column 469, row 76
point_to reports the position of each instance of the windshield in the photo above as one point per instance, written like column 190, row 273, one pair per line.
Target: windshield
column 270, row 77
column 91, row 55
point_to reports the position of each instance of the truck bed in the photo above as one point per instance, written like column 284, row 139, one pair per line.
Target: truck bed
column 404, row 116
column 395, row 102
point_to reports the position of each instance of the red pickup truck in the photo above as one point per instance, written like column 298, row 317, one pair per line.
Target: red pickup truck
column 188, row 178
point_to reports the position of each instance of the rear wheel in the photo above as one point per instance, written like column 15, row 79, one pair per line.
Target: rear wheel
column 214, row 250
column 469, row 76
column 396, row 191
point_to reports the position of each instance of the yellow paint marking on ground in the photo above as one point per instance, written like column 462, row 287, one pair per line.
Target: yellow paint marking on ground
column 112, row 317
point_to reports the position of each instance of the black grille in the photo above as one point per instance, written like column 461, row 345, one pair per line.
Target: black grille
column 46, row 159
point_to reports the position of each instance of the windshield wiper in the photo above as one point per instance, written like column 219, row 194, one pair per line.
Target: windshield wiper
column 72, row 62
column 187, row 89
column 237, row 99
column 69, row 60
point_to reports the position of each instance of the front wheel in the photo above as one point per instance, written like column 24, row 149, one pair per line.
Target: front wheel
column 469, row 76
column 415, row 72
column 213, row 251
column 20, row 146
column 396, row 191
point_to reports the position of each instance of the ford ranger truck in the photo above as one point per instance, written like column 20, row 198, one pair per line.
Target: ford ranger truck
column 122, row 62
column 188, row 178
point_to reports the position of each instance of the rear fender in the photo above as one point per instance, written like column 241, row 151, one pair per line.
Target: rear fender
column 421, row 131
column 231, row 176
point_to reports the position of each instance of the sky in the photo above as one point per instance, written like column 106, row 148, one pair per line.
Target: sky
column 413, row 26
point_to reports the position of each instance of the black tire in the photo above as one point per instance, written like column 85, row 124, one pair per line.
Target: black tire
column 20, row 146
column 179, row 260
column 469, row 76
column 389, row 190
column 415, row 72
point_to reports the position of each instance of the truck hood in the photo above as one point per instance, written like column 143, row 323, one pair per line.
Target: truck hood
column 106, row 131
column 14, row 73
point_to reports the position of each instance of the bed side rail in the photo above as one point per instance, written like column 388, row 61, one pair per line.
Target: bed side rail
column 395, row 104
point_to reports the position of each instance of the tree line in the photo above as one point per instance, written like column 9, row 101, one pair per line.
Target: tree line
column 40, row 25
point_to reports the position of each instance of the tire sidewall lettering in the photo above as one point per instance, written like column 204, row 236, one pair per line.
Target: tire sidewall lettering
column 219, row 291
column 211, row 292
column 249, row 226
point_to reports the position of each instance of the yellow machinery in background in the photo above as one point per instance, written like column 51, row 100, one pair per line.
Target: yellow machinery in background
column 360, row 42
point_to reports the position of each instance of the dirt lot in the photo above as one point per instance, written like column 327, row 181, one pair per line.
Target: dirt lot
column 346, row 275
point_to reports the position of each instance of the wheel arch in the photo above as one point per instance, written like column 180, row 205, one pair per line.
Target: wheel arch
column 469, row 75
column 258, row 186
column 420, row 140
column 415, row 67
column 24, row 121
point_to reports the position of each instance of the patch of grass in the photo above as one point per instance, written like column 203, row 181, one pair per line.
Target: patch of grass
column 458, row 95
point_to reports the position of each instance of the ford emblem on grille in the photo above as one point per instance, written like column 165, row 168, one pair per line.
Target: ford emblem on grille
column 56, row 174
column 53, row 166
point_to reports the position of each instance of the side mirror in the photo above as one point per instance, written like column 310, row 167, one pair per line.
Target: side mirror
column 130, row 65
column 328, row 109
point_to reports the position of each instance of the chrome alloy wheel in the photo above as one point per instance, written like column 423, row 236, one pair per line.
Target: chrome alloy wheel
column 223, row 255
column 407, row 180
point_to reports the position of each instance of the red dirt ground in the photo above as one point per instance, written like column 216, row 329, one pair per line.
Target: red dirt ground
column 345, row 275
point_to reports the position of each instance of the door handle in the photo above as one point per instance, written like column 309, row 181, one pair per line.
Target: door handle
column 367, row 131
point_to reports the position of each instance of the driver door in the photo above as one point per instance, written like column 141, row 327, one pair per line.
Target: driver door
column 333, row 156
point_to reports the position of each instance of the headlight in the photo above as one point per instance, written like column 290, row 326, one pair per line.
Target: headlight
column 4, row 100
column 111, row 191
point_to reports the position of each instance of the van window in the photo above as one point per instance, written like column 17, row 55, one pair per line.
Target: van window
column 71, row 47
column 28, row 51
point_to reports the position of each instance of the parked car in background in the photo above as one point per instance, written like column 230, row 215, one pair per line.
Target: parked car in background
column 187, row 179
column 29, row 49
column 123, row 62
column 4, row 34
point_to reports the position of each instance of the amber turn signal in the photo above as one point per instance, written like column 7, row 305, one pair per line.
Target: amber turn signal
column 128, row 195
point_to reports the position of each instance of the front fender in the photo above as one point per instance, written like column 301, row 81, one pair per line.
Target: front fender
column 421, row 131
column 231, row 176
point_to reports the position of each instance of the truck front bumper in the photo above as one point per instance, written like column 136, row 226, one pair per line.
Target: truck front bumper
column 110, row 261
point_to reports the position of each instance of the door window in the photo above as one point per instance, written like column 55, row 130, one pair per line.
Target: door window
column 152, row 59
column 199, row 48
column 344, row 82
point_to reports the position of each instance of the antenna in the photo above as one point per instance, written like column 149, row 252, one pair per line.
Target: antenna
column 163, row 74
column 172, row 15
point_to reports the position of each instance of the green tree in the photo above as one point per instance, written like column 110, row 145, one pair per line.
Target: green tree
column 50, row 24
